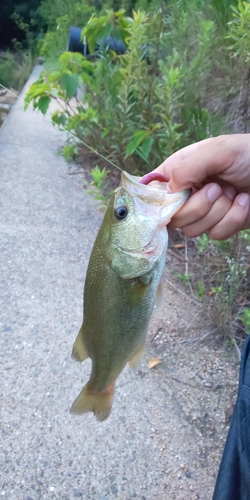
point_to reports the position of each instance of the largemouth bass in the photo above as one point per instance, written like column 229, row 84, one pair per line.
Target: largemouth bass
column 124, row 273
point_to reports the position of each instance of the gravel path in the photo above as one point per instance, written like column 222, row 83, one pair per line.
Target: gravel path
column 145, row 449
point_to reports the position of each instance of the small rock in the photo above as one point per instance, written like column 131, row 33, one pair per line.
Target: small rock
column 208, row 383
column 77, row 494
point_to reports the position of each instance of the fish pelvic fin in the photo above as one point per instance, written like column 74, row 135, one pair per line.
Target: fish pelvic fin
column 136, row 360
column 99, row 402
column 79, row 351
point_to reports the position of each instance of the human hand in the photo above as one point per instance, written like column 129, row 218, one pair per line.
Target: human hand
column 218, row 170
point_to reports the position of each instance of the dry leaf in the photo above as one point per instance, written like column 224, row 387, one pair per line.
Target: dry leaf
column 153, row 362
column 211, row 293
column 179, row 245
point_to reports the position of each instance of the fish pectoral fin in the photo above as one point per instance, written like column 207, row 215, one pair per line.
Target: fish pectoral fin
column 136, row 360
column 99, row 402
column 79, row 351
column 159, row 295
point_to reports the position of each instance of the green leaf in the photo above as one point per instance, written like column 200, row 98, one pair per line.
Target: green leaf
column 104, row 31
column 70, row 83
column 52, row 77
column 137, row 139
column 59, row 118
column 28, row 99
column 54, row 92
column 91, row 44
column 43, row 104
column 145, row 148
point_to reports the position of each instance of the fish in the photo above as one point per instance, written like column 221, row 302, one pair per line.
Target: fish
column 123, row 279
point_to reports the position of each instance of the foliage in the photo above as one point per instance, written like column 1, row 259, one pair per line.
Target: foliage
column 139, row 107
column 239, row 47
column 99, row 185
column 20, row 23
column 220, row 280
column 59, row 16
column 185, row 278
column 244, row 317
column 222, row 10
column 6, row 69
column 15, row 69
column 239, row 32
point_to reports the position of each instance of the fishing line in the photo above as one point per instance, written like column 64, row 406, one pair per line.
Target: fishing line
column 65, row 130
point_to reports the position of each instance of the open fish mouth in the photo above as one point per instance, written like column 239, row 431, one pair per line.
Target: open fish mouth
column 153, row 194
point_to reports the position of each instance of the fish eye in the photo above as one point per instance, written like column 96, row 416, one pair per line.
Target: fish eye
column 121, row 212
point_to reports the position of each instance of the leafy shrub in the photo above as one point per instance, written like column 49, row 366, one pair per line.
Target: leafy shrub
column 139, row 107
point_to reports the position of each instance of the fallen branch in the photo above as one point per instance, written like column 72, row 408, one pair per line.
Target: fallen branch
column 176, row 256
column 192, row 299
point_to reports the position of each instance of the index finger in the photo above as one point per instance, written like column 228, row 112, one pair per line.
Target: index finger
column 196, row 163
column 167, row 166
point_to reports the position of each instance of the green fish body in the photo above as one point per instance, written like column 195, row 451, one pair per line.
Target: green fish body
column 123, row 276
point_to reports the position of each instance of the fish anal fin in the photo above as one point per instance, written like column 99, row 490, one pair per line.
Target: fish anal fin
column 99, row 402
column 79, row 351
column 136, row 360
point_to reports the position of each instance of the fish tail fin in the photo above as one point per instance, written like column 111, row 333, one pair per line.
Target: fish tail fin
column 136, row 360
column 99, row 402
column 79, row 351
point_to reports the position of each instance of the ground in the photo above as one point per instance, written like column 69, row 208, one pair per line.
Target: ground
column 166, row 433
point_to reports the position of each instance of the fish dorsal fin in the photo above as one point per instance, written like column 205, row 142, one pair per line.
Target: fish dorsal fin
column 79, row 351
column 136, row 360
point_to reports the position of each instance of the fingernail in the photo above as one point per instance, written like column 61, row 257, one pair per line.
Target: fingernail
column 213, row 192
column 230, row 193
column 244, row 200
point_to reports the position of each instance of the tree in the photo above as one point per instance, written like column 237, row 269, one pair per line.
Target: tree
column 17, row 18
